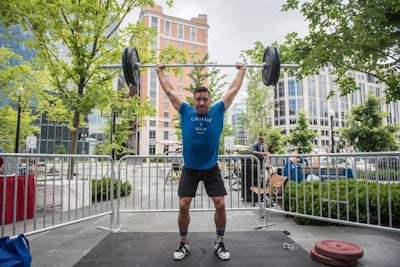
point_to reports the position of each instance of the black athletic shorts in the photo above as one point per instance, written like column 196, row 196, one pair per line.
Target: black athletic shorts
column 211, row 178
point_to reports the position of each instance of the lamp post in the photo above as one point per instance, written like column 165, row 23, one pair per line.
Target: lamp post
column 19, row 92
column 332, row 114
column 83, row 138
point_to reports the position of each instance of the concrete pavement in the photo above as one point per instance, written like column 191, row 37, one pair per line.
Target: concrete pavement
column 67, row 245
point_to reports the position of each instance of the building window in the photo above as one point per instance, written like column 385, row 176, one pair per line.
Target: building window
column 152, row 149
column 166, row 135
column 166, row 41
column 192, row 33
column 282, row 108
column 292, row 107
column 299, row 88
column 180, row 31
column 166, row 124
column 152, row 134
column 291, row 88
column 166, row 105
column 153, row 87
column 180, row 44
column 152, row 123
column 154, row 23
column 281, row 90
column 167, row 28
column 166, row 114
column 194, row 46
column 312, row 107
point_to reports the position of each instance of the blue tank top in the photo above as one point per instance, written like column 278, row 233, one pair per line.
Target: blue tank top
column 201, row 134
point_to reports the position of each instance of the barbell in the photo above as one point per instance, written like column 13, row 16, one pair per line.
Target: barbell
column 271, row 66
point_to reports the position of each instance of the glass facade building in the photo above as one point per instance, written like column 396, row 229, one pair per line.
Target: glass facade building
column 51, row 134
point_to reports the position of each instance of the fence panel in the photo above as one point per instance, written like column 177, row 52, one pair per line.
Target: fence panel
column 360, row 189
column 39, row 191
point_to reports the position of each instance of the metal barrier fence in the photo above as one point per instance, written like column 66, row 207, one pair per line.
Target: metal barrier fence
column 39, row 192
column 155, row 184
column 360, row 189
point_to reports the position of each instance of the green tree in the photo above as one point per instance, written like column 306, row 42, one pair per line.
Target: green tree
column 349, row 35
column 60, row 149
column 274, row 137
column 14, row 90
column 258, row 108
column 365, row 130
column 302, row 136
column 91, row 37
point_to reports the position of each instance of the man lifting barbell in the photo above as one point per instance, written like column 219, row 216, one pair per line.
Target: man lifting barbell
column 201, row 132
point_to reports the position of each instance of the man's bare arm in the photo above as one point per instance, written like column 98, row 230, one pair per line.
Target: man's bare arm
column 167, row 87
column 235, row 85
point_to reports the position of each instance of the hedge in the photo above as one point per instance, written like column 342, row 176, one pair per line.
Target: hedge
column 358, row 191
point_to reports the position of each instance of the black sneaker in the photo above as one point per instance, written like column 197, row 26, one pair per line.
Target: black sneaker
column 221, row 251
column 181, row 252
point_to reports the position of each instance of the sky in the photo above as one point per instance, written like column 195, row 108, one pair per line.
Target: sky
column 236, row 25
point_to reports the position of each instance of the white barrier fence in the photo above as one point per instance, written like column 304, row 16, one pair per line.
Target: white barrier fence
column 39, row 192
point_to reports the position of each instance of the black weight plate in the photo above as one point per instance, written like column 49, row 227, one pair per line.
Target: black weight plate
column 271, row 69
column 124, row 64
column 272, row 56
column 129, row 66
column 266, row 71
column 136, row 70
column 278, row 66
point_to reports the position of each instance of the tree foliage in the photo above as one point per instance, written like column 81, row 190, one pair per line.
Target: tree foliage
column 365, row 131
column 349, row 35
column 258, row 116
column 302, row 136
column 19, row 85
column 74, row 40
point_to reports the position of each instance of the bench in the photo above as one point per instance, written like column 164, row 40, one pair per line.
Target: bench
column 273, row 185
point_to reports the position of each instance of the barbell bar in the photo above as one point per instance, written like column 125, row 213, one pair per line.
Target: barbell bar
column 138, row 65
column 270, row 67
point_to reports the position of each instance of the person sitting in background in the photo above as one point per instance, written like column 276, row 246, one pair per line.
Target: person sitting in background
column 259, row 149
column 295, row 158
column 271, row 149
column 176, row 162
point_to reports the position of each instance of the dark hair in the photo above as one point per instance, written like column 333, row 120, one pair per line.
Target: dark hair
column 201, row 89
column 271, row 148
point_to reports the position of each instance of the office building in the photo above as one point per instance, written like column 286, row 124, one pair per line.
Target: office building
column 326, row 116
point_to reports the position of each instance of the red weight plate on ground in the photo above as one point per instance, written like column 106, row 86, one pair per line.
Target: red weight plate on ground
column 332, row 262
column 339, row 250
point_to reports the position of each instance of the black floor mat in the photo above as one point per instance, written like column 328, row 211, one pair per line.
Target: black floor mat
column 254, row 248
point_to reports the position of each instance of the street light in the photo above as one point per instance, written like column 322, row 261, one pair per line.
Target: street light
column 332, row 114
column 19, row 92
column 83, row 138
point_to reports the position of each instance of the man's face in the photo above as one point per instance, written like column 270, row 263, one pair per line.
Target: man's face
column 202, row 102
